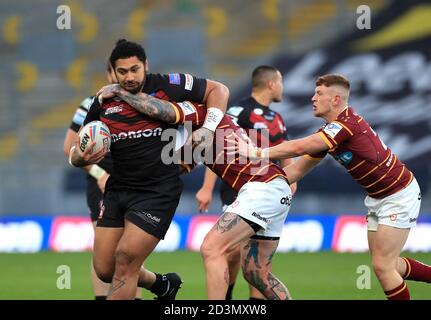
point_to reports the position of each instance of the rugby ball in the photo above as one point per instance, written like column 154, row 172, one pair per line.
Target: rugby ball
column 95, row 131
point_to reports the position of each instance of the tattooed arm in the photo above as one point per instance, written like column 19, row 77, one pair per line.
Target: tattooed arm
column 155, row 108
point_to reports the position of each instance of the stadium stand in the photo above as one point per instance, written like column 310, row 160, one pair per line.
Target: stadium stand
column 45, row 73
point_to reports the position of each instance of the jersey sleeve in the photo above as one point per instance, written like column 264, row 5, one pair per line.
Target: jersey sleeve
column 183, row 86
column 189, row 111
column 80, row 114
column 335, row 133
column 239, row 115
column 93, row 112
column 285, row 135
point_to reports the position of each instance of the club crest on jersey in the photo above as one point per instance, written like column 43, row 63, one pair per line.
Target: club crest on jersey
column 344, row 158
column 332, row 129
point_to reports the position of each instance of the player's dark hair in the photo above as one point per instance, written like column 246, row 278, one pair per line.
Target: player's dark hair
column 261, row 75
column 328, row 80
column 125, row 49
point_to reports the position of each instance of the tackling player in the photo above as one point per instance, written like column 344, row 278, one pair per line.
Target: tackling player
column 260, row 209
column 252, row 114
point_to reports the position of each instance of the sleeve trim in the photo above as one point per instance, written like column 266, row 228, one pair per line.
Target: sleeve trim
column 323, row 136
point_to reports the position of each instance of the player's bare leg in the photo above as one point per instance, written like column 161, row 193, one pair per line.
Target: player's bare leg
column 101, row 288
column 229, row 231
column 385, row 247
column 255, row 294
column 133, row 248
column 234, row 263
column 105, row 244
column 257, row 265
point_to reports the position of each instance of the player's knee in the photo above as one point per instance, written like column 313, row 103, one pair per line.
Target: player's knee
column 234, row 256
column 381, row 265
column 124, row 260
column 209, row 249
column 104, row 275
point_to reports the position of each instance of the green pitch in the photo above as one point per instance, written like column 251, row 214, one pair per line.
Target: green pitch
column 323, row 275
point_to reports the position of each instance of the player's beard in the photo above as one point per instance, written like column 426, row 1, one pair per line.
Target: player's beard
column 133, row 86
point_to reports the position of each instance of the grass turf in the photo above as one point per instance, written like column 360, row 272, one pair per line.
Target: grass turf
column 322, row 275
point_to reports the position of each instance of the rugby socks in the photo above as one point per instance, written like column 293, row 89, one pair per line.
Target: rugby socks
column 100, row 298
column 160, row 285
column 229, row 291
column 399, row 293
column 417, row 271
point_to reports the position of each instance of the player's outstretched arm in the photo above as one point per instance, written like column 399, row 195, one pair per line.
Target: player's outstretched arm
column 298, row 169
column 293, row 148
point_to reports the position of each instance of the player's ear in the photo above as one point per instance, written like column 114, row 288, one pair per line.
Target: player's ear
column 146, row 66
column 270, row 84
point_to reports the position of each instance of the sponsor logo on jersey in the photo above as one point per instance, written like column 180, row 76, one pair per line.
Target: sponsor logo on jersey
column 344, row 158
column 174, row 78
column 287, row 200
column 258, row 216
column 187, row 107
column 114, row 109
column 332, row 129
column 393, row 217
column 189, row 82
column 136, row 134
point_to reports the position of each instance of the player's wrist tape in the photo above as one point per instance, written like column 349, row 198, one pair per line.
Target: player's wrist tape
column 96, row 172
column 70, row 155
column 214, row 116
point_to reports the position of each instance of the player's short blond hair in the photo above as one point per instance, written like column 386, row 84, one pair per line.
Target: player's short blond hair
column 329, row 80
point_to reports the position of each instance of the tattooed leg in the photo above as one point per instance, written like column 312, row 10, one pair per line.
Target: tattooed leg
column 228, row 232
column 253, row 252
column 227, row 222
column 257, row 271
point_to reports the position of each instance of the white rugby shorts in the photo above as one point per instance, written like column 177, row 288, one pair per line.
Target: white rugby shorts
column 265, row 203
column 399, row 210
